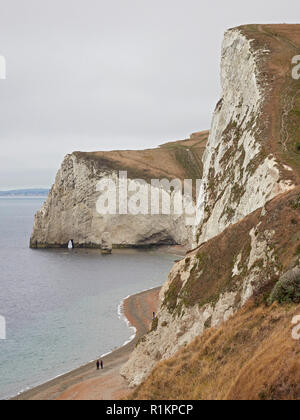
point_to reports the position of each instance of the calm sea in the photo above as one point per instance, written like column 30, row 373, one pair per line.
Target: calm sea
column 61, row 306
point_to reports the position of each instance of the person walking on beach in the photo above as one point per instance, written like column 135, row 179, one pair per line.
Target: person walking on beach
column 98, row 365
column 102, row 366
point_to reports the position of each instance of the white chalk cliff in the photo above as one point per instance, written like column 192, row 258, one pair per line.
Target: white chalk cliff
column 238, row 175
column 71, row 211
column 240, row 210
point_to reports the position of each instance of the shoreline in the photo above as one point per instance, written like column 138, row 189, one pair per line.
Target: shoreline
column 62, row 386
column 130, row 310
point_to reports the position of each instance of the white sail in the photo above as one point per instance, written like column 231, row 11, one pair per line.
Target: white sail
column 2, row 328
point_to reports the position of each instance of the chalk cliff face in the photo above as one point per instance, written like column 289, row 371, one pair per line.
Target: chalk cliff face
column 247, row 235
column 241, row 173
column 71, row 213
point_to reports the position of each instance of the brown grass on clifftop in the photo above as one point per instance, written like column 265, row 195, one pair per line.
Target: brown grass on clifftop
column 280, row 116
column 252, row 356
column 179, row 159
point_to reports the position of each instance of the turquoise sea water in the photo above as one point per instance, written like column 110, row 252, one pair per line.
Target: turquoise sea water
column 61, row 306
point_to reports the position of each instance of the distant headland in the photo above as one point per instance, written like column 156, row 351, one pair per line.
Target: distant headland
column 32, row 192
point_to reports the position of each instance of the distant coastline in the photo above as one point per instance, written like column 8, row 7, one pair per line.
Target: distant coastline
column 32, row 192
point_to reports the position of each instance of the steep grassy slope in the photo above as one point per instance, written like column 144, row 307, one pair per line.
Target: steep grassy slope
column 252, row 356
column 250, row 255
column 206, row 288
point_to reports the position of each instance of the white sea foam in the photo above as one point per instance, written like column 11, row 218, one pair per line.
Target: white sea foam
column 122, row 317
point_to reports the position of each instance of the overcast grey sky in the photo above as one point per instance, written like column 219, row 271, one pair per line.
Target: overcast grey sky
column 110, row 74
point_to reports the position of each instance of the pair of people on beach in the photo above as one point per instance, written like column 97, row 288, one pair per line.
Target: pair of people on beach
column 98, row 364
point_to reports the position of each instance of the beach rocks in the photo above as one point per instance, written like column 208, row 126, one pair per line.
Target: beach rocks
column 106, row 243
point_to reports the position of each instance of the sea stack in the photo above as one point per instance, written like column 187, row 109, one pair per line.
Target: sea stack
column 106, row 243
